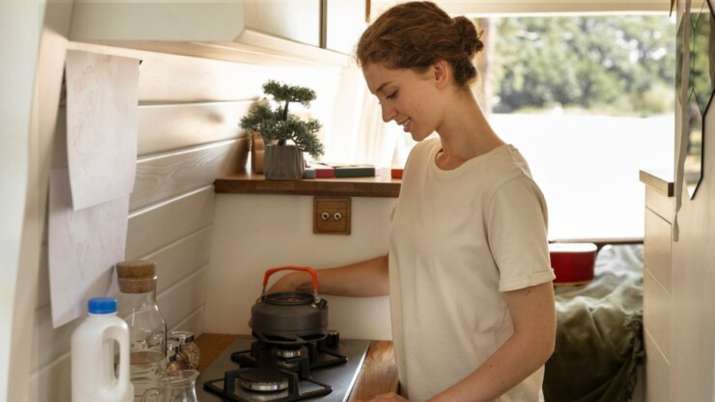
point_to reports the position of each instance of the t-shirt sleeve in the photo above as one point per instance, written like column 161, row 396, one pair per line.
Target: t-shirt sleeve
column 516, row 218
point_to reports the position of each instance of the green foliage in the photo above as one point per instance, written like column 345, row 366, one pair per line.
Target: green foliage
column 583, row 62
column 277, row 126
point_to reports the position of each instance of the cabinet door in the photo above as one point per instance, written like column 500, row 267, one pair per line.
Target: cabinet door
column 296, row 20
column 344, row 23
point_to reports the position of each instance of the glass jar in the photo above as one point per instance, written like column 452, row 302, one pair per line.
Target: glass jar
column 176, row 362
column 180, row 387
column 188, row 349
column 147, row 327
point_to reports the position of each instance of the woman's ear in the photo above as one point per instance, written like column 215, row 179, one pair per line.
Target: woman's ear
column 441, row 73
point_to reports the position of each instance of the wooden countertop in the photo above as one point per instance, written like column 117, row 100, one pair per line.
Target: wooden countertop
column 381, row 185
column 378, row 374
column 661, row 181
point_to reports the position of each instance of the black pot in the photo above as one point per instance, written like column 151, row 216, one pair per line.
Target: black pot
column 290, row 317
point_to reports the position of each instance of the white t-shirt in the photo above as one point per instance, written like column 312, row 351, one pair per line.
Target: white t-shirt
column 459, row 239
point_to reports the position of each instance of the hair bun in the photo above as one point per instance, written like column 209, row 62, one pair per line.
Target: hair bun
column 468, row 36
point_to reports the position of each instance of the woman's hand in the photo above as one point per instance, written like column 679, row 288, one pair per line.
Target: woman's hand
column 289, row 283
column 389, row 397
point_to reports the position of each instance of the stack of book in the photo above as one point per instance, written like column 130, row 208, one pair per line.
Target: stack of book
column 326, row 171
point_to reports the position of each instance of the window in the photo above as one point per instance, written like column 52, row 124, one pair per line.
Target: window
column 589, row 101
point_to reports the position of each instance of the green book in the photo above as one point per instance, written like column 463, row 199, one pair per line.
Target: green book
column 354, row 170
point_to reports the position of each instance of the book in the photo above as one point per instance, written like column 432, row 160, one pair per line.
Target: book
column 359, row 170
column 321, row 171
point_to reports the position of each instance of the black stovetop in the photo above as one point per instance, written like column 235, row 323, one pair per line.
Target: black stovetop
column 341, row 378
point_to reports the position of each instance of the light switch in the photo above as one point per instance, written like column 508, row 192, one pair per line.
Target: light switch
column 331, row 215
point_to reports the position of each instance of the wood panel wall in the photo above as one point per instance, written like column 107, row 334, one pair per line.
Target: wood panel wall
column 685, row 369
column 188, row 135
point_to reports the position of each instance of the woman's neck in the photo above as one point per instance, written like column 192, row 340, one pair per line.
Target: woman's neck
column 465, row 132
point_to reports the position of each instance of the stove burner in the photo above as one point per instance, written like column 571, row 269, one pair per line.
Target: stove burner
column 262, row 380
column 279, row 370
column 288, row 353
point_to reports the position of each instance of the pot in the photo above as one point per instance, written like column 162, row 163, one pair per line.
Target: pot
column 283, row 162
column 573, row 263
column 290, row 317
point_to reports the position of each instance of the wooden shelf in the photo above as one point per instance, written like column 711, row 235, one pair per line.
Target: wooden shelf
column 380, row 186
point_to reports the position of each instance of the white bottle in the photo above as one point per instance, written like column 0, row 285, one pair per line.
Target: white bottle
column 93, row 347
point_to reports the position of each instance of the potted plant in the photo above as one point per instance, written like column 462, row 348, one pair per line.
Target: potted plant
column 285, row 135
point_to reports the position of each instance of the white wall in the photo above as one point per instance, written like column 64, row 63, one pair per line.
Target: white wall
column 255, row 232
column 20, row 24
column 189, row 110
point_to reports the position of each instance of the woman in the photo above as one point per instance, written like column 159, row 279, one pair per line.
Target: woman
column 468, row 269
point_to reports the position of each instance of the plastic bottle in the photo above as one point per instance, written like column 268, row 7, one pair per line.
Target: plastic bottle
column 147, row 328
column 92, row 355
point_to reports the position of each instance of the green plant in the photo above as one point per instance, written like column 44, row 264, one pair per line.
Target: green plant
column 277, row 126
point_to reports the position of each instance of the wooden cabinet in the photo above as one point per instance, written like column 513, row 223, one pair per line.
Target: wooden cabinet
column 343, row 23
column 251, row 31
column 657, row 289
column 294, row 20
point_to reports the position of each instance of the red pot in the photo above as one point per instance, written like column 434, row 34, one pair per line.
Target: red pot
column 572, row 262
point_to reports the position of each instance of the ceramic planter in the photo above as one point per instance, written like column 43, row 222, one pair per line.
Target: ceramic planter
column 283, row 162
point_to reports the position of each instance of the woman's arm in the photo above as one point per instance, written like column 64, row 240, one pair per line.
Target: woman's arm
column 362, row 279
column 534, row 317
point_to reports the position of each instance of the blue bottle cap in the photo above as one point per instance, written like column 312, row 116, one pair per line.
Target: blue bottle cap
column 102, row 305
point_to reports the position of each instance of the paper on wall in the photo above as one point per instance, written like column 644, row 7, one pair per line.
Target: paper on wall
column 102, row 121
column 84, row 245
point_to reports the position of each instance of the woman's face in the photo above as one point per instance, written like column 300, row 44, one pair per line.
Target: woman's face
column 409, row 98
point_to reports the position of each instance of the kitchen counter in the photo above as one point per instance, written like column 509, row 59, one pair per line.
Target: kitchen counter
column 378, row 374
column 382, row 185
column 661, row 181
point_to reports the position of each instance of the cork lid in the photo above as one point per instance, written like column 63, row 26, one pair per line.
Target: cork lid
column 137, row 276
column 136, row 269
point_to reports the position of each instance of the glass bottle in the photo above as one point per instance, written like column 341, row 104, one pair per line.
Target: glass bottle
column 188, row 349
column 147, row 327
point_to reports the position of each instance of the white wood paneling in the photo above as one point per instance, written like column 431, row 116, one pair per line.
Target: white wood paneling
column 172, row 126
column 49, row 344
column 657, row 312
column 658, row 256
column 193, row 323
column 52, row 382
column 659, row 203
column 181, row 259
column 180, row 300
column 657, row 384
column 164, row 176
column 175, row 263
column 165, row 223
column 693, row 299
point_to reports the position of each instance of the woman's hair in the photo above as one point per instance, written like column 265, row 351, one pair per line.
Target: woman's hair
column 415, row 35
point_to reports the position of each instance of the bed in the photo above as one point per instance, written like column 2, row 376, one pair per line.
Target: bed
column 599, row 342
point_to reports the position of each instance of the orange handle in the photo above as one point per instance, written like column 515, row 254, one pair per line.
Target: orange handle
column 309, row 270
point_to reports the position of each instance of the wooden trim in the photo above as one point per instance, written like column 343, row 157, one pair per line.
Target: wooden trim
column 659, row 181
column 380, row 186
column 378, row 374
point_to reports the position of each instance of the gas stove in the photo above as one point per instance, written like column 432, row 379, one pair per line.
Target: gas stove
column 256, row 369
